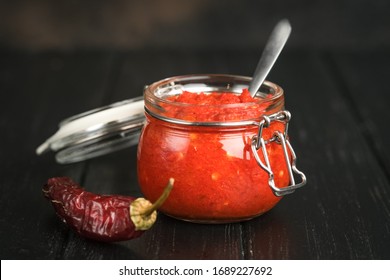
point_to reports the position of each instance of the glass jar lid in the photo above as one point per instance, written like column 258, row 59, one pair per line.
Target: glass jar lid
column 97, row 132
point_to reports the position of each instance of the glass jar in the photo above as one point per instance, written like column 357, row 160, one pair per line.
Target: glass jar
column 232, row 166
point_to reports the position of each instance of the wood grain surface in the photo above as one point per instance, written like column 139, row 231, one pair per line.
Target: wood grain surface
column 339, row 102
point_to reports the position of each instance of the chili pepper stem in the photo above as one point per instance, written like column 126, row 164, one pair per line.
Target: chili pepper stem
column 149, row 210
column 143, row 213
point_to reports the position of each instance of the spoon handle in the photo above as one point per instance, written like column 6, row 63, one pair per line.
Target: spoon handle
column 272, row 49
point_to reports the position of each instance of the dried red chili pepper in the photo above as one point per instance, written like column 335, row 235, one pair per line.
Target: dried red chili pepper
column 102, row 217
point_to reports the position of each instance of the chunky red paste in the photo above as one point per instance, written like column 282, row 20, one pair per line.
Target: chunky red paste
column 217, row 178
column 215, row 106
column 213, row 98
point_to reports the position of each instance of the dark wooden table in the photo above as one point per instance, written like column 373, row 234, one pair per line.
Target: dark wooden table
column 340, row 130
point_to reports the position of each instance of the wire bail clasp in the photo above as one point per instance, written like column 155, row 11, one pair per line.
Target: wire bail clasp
column 258, row 143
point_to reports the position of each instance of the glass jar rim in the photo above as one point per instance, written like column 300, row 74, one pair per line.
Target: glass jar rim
column 156, row 93
column 172, row 82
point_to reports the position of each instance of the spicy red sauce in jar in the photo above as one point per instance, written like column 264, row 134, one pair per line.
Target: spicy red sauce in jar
column 199, row 130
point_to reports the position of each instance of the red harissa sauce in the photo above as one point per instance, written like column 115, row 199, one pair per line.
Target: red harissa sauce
column 217, row 178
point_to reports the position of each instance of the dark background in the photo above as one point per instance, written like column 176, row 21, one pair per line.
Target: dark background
column 126, row 24
column 60, row 58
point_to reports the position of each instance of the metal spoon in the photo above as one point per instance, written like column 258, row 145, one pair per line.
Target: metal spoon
column 272, row 49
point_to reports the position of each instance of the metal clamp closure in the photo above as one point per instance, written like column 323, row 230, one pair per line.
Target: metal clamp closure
column 258, row 143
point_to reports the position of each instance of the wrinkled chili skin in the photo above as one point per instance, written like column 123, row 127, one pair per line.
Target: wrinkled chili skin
column 99, row 217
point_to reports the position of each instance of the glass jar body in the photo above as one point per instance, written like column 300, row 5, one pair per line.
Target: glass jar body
column 217, row 178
